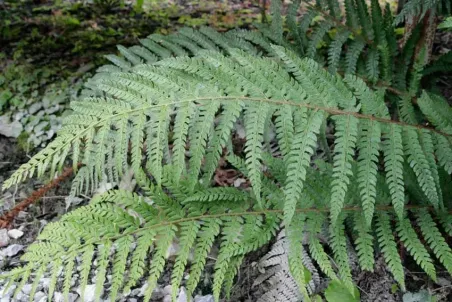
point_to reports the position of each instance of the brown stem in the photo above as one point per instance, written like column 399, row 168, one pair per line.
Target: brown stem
column 7, row 218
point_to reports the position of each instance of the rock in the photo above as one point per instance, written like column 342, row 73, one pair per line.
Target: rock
column 22, row 215
column 40, row 127
column 167, row 290
column 15, row 234
column 443, row 282
column 45, row 282
column 238, row 182
column 34, row 108
column 132, row 300
column 157, row 294
column 19, row 115
column 12, row 250
column 9, row 129
column 139, row 292
column 208, row 298
column 21, row 297
column 89, row 292
column 182, row 295
column 4, row 239
column 167, row 299
column 59, row 297
column 26, row 289
column 39, row 296
column 8, row 293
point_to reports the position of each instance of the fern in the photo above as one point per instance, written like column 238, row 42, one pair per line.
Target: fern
column 168, row 111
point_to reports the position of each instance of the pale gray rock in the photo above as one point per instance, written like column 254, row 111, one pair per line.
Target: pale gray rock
column 183, row 297
column 89, row 292
column 21, row 297
column 59, row 297
column 4, row 238
column 26, row 289
column 15, row 234
column 208, row 298
column 39, row 296
column 10, row 129
column 9, row 292
column 167, row 299
column 139, row 292
column 34, row 108
column 167, row 290
column 12, row 250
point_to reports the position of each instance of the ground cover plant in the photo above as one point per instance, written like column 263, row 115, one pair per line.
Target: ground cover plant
column 347, row 148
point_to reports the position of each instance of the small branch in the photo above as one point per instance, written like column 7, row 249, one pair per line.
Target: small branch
column 7, row 218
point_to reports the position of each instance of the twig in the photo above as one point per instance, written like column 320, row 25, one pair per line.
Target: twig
column 7, row 218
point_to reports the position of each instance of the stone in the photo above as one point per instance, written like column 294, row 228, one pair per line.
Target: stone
column 10, row 129
column 21, row 297
column 208, row 298
column 89, row 292
column 39, row 127
column 15, row 234
column 183, row 297
column 59, row 297
column 4, row 238
column 7, row 293
column 26, row 289
column 157, row 294
column 34, row 108
column 139, row 292
column 167, row 290
column 40, row 295
column 167, row 299
column 12, row 250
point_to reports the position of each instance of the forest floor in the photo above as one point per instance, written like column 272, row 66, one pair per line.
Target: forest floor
column 46, row 51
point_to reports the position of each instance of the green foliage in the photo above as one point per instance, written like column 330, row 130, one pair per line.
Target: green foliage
column 419, row 8
column 337, row 291
column 168, row 110
column 446, row 24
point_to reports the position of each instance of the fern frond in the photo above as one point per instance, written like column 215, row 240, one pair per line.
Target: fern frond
column 314, row 224
column 297, row 269
column 388, row 246
column 353, row 53
column 418, row 161
column 368, row 146
column 434, row 239
column 364, row 17
column 206, row 237
column 364, row 242
column 292, row 24
column 316, row 37
column 276, row 26
column 334, row 51
column 437, row 110
column 339, row 246
column 351, row 14
column 187, row 239
column 393, row 160
column 307, row 126
column 415, row 247
column 346, row 133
